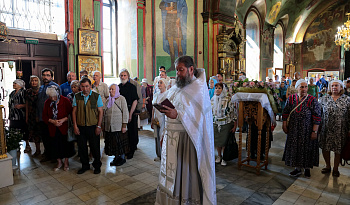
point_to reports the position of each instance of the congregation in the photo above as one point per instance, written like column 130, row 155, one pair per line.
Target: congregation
column 200, row 116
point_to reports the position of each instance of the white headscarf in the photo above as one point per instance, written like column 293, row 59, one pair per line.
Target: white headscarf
column 20, row 82
column 313, row 82
column 335, row 81
column 300, row 82
column 164, row 81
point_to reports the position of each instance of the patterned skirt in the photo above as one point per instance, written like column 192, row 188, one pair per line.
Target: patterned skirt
column 116, row 143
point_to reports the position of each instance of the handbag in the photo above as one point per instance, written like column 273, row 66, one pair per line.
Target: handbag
column 345, row 154
column 144, row 114
column 295, row 109
column 70, row 136
column 231, row 149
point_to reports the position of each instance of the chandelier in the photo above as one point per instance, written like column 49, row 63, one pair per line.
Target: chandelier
column 342, row 38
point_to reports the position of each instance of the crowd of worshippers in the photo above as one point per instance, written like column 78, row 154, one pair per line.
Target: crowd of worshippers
column 315, row 114
column 79, row 111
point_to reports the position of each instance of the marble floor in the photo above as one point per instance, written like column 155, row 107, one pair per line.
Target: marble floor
column 135, row 182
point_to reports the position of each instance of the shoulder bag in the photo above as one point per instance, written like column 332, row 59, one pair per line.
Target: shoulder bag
column 295, row 109
column 231, row 149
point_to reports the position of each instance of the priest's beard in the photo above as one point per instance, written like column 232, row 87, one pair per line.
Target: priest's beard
column 182, row 82
column 123, row 81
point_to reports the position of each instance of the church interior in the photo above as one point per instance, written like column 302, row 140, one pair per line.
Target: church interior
column 262, row 38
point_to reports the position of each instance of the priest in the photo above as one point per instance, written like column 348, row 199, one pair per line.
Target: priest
column 187, row 169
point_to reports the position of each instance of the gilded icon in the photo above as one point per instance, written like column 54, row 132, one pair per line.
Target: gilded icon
column 88, row 42
column 89, row 63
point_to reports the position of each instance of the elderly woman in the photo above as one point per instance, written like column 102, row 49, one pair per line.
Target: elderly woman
column 312, row 88
column 335, row 124
column 291, row 90
column 55, row 115
column 17, row 104
column 75, row 86
column 31, row 100
column 301, row 118
column 224, row 119
column 212, row 82
column 116, row 116
column 158, row 118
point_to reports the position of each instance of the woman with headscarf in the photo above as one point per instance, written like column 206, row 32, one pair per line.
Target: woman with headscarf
column 116, row 116
column 158, row 118
column 55, row 114
column 335, row 124
column 31, row 101
column 75, row 86
column 17, row 104
column 301, row 118
column 291, row 90
column 224, row 119
column 312, row 88
column 212, row 82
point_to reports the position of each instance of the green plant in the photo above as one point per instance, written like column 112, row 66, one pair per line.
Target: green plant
column 13, row 137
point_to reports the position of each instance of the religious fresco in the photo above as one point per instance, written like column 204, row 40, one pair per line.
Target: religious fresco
column 318, row 48
column 289, row 53
column 174, row 33
column 267, row 40
column 274, row 12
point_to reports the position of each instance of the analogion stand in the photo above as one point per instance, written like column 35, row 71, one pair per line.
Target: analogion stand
column 251, row 110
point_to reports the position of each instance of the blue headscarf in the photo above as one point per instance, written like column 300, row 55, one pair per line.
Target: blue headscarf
column 211, row 90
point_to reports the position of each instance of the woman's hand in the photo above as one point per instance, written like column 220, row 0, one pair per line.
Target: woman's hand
column 313, row 136
column 124, row 130
column 19, row 106
column 284, row 127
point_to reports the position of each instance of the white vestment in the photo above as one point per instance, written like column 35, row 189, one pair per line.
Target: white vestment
column 193, row 107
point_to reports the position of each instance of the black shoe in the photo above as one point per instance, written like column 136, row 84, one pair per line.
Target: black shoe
column 97, row 171
column 82, row 170
column 130, row 155
column 295, row 173
column 120, row 163
column 115, row 161
column 307, row 173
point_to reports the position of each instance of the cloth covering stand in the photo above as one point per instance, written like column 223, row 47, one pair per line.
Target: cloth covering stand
column 254, row 108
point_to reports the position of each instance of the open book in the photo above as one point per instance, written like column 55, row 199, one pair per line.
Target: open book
column 166, row 102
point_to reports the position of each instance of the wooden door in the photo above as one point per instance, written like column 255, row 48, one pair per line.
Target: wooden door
column 59, row 73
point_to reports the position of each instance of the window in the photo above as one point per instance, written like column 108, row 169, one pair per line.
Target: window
column 252, row 47
column 46, row 16
column 127, row 36
column 109, row 47
column 278, row 47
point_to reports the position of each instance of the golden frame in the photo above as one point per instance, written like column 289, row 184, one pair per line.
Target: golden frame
column 88, row 42
column 89, row 63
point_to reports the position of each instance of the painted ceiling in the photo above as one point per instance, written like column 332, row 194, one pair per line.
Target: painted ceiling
column 299, row 13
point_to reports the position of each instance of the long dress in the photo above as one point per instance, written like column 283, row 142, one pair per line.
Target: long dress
column 335, row 123
column 160, row 118
column 31, row 100
column 300, row 150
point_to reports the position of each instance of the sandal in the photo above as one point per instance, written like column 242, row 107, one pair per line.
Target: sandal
column 57, row 168
column 326, row 170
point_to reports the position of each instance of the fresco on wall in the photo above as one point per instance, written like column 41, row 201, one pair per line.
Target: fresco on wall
column 274, row 12
column 174, row 34
column 268, row 44
column 318, row 48
column 289, row 53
